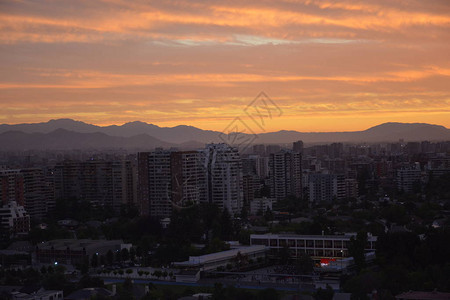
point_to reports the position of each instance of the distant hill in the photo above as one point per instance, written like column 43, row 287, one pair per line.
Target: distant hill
column 386, row 132
column 62, row 139
column 70, row 134
column 178, row 134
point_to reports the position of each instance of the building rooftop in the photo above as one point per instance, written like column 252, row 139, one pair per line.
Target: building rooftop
column 77, row 244
column 287, row 235
column 411, row 295
column 221, row 255
column 88, row 293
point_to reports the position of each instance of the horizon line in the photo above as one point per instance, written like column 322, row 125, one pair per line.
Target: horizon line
column 292, row 130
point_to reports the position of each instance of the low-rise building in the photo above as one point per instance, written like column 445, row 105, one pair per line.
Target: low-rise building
column 423, row 296
column 261, row 205
column 70, row 251
column 31, row 293
column 317, row 246
column 216, row 260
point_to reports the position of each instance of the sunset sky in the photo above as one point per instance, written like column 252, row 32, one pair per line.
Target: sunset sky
column 328, row 65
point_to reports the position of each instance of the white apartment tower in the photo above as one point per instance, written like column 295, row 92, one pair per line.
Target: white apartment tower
column 222, row 169
column 285, row 174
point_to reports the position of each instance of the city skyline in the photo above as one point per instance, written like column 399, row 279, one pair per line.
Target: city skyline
column 328, row 66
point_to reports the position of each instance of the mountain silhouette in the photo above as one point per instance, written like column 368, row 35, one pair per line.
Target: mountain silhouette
column 62, row 139
column 71, row 134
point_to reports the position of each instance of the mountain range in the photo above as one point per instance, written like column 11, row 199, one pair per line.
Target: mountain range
column 70, row 134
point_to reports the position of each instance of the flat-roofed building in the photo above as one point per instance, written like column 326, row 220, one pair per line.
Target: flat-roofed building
column 412, row 295
column 222, row 259
column 261, row 205
column 314, row 245
column 70, row 251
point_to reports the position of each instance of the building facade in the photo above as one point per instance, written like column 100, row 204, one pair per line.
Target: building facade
column 316, row 246
column 171, row 179
column 69, row 251
column 28, row 188
column 322, row 187
column 222, row 169
column 285, row 174
column 102, row 183
column 14, row 219
column 408, row 177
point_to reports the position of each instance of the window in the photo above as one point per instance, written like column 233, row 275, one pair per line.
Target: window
column 273, row 243
column 319, row 244
column 309, row 244
column 337, row 244
column 260, row 242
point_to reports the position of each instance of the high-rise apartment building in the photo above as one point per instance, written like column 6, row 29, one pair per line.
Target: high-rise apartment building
column 322, row 187
column 187, row 178
column 156, row 191
column 285, row 172
column 168, row 179
column 408, row 177
column 28, row 188
column 222, row 167
column 102, row 183
column 174, row 179
column 11, row 188
column 14, row 219
column 38, row 197
column 297, row 146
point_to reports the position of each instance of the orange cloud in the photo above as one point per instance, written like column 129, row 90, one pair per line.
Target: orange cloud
column 199, row 63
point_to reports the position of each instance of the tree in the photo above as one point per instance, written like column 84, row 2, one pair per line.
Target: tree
column 304, row 264
column 119, row 256
column 226, row 225
column 94, row 260
column 109, row 257
column 126, row 292
column 102, row 260
column 357, row 248
column 269, row 294
column 324, row 294
column 157, row 273
column 284, row 255
column 218, row 292
column 125, row 254
column 87, row 282
column 241, row 260
column 268, row 215
column 132, row 254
